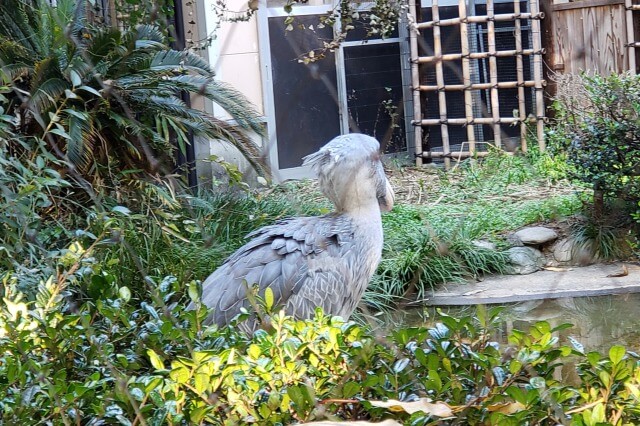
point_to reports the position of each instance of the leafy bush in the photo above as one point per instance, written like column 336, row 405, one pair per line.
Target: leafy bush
column 597, row 126
column 30, row 184
column 109, row 360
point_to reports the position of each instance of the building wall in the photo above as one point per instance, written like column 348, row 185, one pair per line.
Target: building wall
column 233, row 53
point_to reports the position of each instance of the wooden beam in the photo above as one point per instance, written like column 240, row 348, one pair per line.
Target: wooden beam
column 536, row 37
column 480, row 86
column 442, row 99
column 493, row 75
column 477, row 55
column 585, row 4
column 477, row 120
column 522, row 114
column 479, row 19
column 455, row 154
column 631, row 48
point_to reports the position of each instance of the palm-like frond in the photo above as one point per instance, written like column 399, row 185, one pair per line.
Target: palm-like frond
column 149, row 33
column 236, row 104
column 179, row 61
column 115, row 97
column 45, row 95
column 81, row 137
column 18, row 23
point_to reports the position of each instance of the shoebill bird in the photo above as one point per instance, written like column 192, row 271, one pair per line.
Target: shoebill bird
column 308, row 262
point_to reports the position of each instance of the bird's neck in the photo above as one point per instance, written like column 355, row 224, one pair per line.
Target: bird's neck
column 361, row 212
column 356, row 196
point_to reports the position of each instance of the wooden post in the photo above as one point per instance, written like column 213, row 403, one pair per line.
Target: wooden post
column 537, row 74
column 631, row 52
column 442, row 99
column 466, row 75
column 493, row 74
column 415, row 82
column 520, row 76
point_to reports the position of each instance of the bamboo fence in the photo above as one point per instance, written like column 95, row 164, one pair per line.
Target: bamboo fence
column 492, row 87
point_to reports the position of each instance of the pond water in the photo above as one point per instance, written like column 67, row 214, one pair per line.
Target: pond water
column 599, row 322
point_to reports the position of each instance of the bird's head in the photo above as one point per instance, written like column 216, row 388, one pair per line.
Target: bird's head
column 350, row 173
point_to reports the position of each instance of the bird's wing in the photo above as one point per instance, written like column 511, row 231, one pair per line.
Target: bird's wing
column 299, row 259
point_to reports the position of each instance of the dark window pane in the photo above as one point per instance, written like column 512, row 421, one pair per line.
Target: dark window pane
column 305, row 97
column 374, row 93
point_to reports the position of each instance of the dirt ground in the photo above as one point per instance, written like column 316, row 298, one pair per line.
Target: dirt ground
column 423, row 186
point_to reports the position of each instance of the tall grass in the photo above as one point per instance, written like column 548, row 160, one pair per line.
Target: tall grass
column 425, row 245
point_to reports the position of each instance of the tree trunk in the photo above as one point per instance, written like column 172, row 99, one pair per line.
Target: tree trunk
column 598, row 203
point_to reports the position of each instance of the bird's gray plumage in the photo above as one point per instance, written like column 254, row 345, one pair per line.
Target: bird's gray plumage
column 308, row 262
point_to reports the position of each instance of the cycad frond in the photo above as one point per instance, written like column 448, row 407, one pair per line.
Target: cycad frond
column 81, row 138
column 46, row 94
column 173, row 60
column 220, row 129
column 12, row 52
column 236, row 104
column 79, row 22
column 103, row 42
column 15, row 70
column 228, row 98
column 43, row 70
column 17, row 22
column 149, row 32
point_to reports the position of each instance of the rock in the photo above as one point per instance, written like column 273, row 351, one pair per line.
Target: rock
column 535, row 235
column 514, row 240
column 583, row 255
column 484, row 244
column 563, row 249
column 524, row 260
column 568, row 252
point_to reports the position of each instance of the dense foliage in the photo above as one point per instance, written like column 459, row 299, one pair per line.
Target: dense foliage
column 108, row 359
column 106, row 101
column 434, row 243
column 598, row 129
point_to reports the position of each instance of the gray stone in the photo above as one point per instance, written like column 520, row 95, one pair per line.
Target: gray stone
column 535, row 235
column 583, row 255
column 524, row 260
column 563, row 249
column 484, row 244
column 514, row 240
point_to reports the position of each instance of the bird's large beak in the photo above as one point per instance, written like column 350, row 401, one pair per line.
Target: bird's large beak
column 386, row 197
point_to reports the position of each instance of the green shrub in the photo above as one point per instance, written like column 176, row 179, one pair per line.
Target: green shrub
column 597, row 127
column 30, row 188
column 110, row 360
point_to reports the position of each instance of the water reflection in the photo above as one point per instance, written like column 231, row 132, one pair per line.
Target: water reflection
column 599, row 322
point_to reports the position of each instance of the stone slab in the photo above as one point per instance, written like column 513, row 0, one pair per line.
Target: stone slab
column 551, row 283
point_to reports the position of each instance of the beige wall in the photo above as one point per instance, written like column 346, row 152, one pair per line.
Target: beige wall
column 234, row 56
column 234, row 53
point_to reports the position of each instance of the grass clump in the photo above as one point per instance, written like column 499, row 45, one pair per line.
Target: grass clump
column 435, row 241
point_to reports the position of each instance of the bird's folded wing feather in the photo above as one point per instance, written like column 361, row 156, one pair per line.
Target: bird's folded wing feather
column 300, row 259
